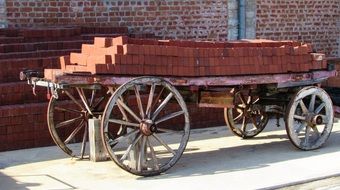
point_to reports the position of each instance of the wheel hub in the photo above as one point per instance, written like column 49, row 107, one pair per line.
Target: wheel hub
column 314, row 119
column 317, row 120
column 147, row 127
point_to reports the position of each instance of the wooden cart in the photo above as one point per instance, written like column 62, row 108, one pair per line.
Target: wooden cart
column 138, row 114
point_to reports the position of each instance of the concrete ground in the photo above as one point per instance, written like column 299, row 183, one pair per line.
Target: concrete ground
column 214, row 159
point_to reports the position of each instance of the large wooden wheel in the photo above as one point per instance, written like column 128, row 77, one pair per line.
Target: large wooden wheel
column 309, row 118
column 247, row 119
column 145, row 126
column 68, row 115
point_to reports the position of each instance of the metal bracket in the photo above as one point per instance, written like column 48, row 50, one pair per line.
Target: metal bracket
column 54, row 91
column 33, row 89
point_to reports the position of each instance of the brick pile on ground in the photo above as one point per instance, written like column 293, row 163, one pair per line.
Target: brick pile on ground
column 128, row 56
column 22, row 114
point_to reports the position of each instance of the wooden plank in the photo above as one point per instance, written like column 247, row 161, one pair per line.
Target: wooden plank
column 97, row 150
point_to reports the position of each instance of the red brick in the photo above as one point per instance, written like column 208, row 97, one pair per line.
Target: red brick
column 241, row 52
column 146, row 49
column 229, row 52
column 267, row 51
column 107, row 51
column 129, row 59
column 87, row 49
column 131, row 49
column 141, row 59
column 163, row 50
column 324, row 64
column 189, row 52
column 102, row 42
column 280, row 51
column 202, row 52
column 123, row 59
column 309, row 47
column 152, row 49
column 64, row 60
column 158, row 50
column 78, row 58
column 121, row 40
column 173, row 51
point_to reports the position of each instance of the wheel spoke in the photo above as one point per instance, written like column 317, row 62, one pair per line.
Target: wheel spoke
column 241, row 98
column 74, row 100
column 151, row 94
column 303, row 107
column 157, row 98
column 67, row 110
column 67, row 122
column 254, row 122
column 130, row 147
column 141, row 159
column 75, row 131
column 312, row 103
column 237, row 118
column 243, row 127
column 316, row 130
column 163, row 104
column 168, row 130
column 117, row 140
column 93, row 93
column 169, row 116
column 139, row 102
column 83, row 98
column 121, row 122
column 256, row 100
column 299, row 117
column 83, row 144
column 240, row 107
column 153, row 154
column 100, row 100
column 320, row 107
column 307, row 135
column 301, row 126
column 121, row 103
column 121, row 109
column 249, row 100
column 164, row 144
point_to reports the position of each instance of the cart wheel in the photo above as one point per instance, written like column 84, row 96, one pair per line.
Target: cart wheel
column 309, row 118
column 67, row 118
column 247, row 119
column 149, row 136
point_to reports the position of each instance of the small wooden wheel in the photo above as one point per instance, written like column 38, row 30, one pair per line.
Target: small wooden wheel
column 309, row 118
column 145, row 126
column 68, row 114
column 247, row 119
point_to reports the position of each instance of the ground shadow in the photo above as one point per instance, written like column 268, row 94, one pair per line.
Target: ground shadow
column 241, row 158
column 7, row 182
column 31, row 155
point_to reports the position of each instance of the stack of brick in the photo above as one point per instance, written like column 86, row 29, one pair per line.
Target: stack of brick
column 129, row 56
column 23, row 115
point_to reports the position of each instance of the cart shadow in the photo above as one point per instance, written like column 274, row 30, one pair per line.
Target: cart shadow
column 242, row 158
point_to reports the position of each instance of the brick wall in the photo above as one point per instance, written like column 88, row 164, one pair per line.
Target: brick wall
column 316, row 21
column 168, row 18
